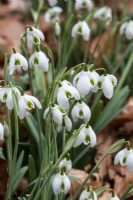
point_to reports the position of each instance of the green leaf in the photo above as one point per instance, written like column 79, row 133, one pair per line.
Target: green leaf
column 18, row 178
column 100, row 190
column 31, row 169
column 19, row 161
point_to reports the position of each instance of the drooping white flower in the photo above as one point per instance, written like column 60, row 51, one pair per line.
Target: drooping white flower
column 16, row 62
column 83, row 4
column 81, row 28
column 125, row 157
column 66, row 92
column 39, row 59
column 114, row 198
column 86, row 136
column 108, row 83
column 88, row 194
column 27, row 102
column 59, row 117
column 104, row 14
column 127, row 30
column 61, row 183
column 34, row 36
column 65, row 165
column 81, row 111
column 52, row 14
column 57, row 29
column 85, row 81
column 52, row 2
column 6, row 96
column 1, row 132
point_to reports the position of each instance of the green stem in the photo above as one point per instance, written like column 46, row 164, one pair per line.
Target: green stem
column 126, row 193
column 63, row 138
column 86, row 51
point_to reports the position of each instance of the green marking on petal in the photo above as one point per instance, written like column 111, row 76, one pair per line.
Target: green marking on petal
column 77, row 80
column 62, row 186
column 29, row 104
column 5, row 97
column 87, row 139
column 81, row 113
column 99, row 84
column 17, row 62
column 68, row 94
column 80, row 30
column 92, row 81
column 36, row 40
column 36, row 61
column 124, row 160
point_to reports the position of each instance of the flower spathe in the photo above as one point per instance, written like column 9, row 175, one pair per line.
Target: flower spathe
column 81, row 28
column 125, row 158
column 34, row 36
column 6, row 96
column 1, row 132
column 65, row 92
column 88, row 194
column 108, row 82
column 61, row 183
column 85, row 136
column 39, row 59
column 16, row 62
column 81, row 111
column 104, row 14
column 65, row 165
column 27, row 102
column 52, row 2
column 52, row 14
column 83, row 4
column 127, row 30
column 59, row 117
column 85, row 81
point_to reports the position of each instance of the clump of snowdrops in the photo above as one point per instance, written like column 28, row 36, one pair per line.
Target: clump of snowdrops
column 55, row 113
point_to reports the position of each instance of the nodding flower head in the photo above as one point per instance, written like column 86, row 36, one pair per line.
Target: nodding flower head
column 81, row 28
column 52, row 14
column 34, row 36
column 60, row 117
column 83, row 4
column 16, row 62
column 86, row 136
column 88, row 194
column 104, row 14
column 39, row 59
column 27, row 102
column 127, row 30
column 66, row 92
column 52, row 2
column 61, row 183
column 65, row 165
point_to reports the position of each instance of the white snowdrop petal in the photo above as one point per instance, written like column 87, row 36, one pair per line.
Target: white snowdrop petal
column 122, row 28
column 43, row 61
column 57, row 184
column 75, row 112
column 129, row 32
column 52, row 2
column 38, row 33
column 68, row 123
column 1, row 132
column 107, row 88
column 67, row 184
column 45, row 113
column 9, row 101
column 129, row 162
column 86, row 31
column 114, row 198
column 86, row 112
column 59, row 128
column 62, row 99
column 92, row 135
column 57, row 115
column 80, row 138
column 21, row 107
column 83, row 86
column 119, row 157
column 24, row 62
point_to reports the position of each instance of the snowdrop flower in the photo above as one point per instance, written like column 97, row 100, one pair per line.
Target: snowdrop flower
column 104, row 14
column 88, row 194
column 65, row 165
column 81, row 28
column 66, row 92
column 107, row 83
column 125, row 158
column 39, row 59
column 52, row 14
column 6, row 96
column 16, row 62
column 57, row 29
column 61, row 183
column 114, row 198
column 33, row 36
column 85, row 81
column 59, row 117
column 127, row 30
column 52, row 2
column 1, row 132
column 85, row 136
column 27, row 102
column 83, row 4
column 81, row 111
